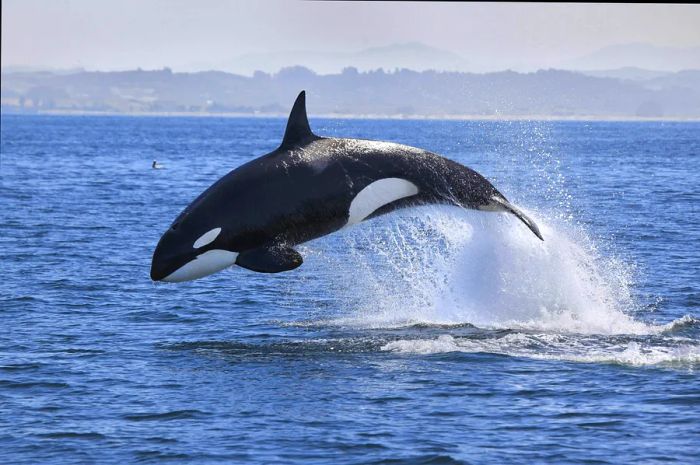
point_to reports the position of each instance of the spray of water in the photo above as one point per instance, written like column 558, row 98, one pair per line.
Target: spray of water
column 563, row 298
column 443, row 265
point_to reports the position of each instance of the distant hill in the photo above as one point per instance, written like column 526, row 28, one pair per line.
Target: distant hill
column 628, row 59
column 644, row 56
column 412, row 55
column 550, row 93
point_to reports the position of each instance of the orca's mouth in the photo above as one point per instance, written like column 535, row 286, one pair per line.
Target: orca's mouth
column 161, row 269
column 157, row 274
column 168, row 258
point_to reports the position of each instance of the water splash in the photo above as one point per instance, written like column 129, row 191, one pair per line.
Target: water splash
column 568, row 298
column 441, row 268
column 442, row 265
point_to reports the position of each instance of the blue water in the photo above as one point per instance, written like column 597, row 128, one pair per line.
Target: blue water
column 432, row 335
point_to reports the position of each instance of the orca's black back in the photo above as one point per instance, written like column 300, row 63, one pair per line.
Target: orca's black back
column 296, row 194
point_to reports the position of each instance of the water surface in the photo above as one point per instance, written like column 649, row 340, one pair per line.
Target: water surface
column 433, row 335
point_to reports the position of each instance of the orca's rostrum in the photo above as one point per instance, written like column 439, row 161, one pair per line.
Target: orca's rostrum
column 309, row 187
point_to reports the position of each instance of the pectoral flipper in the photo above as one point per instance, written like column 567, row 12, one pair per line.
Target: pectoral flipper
column 270, row 259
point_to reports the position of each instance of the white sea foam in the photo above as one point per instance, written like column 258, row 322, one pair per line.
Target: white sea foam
column 558, row 347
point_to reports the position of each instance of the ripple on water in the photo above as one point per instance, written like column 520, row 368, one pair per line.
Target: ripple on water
column 89, row 436
column 166, row 416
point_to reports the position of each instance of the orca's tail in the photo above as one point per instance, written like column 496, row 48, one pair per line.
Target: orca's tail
column 502, row 204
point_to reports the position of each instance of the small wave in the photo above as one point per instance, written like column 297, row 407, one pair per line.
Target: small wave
column 637, row 354
column 21, row 366
column 293, row 348
column 32, row 385
column 429, row 459
column 364, row 323
column 681, row 324
column 81, row 351
column 165, row 416
column 153, row 455
column 72, row 435
column 148, row 316
column 161, row 440
column 559, row 347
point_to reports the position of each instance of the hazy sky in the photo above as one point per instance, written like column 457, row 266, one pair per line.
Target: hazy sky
column 125, row 34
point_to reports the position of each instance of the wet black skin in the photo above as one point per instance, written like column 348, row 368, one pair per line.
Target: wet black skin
column 303, row 190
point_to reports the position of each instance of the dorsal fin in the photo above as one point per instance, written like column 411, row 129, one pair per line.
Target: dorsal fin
column 298, row 129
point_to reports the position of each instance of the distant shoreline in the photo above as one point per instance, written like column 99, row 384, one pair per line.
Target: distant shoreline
column 174, row 114
column 544, row 95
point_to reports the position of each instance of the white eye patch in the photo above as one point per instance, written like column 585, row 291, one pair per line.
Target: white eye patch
column 207, row 238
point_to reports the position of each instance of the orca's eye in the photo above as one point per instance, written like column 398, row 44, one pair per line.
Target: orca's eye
column 207, row 238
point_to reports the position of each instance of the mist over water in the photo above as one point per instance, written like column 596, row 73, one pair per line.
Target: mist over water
column 431, row 335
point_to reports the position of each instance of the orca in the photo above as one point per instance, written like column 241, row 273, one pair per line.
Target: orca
column 310, row 186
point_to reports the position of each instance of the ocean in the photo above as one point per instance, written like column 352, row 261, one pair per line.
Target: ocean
column 432, row 335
